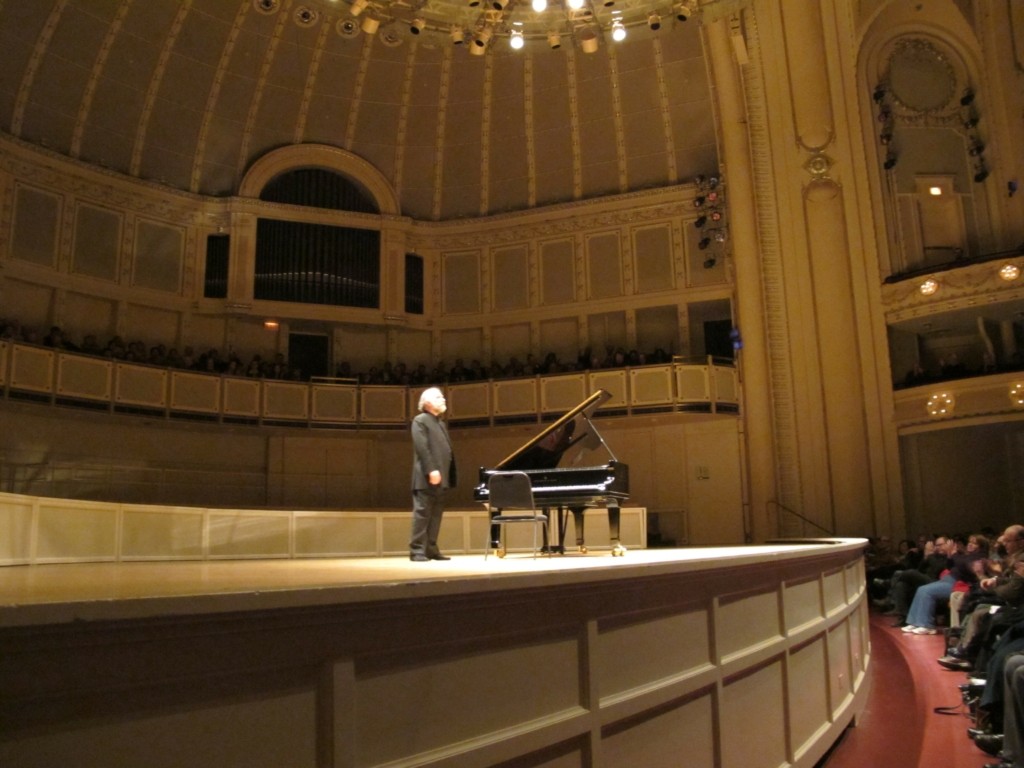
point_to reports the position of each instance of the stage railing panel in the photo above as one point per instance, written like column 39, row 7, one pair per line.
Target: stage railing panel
column 560, row 393
column 692, row 384
column 726, row 385
column 383, row 405
column 140, row 385
column 285, row 401
column 88, row 378
column 515, row 397
column 242, row 397
column 195, row 392
column 469, row 401
column 616, row 383
column 650, row 386
column 5, row 362
column 337, row 403
column 32, row 369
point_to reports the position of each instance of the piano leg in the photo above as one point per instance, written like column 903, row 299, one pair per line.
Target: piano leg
column 577, row 518
column 613, row 529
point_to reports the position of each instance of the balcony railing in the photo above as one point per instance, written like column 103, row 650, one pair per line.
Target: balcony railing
column 42, row 374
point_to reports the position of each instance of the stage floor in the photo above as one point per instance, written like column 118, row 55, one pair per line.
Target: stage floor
column 61, row 593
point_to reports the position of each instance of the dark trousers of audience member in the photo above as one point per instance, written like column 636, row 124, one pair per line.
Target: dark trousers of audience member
column 904, row 586
column 1013, row 711
column 1010, row 644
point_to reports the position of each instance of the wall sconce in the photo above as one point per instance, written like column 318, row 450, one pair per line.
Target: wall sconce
column 709, row 262
column 928, row 287
column 1009, row 272
column 1017, row 395
column 271, row 325
column 941, row 404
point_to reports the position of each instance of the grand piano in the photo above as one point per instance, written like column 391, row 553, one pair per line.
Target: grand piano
column 554, row 461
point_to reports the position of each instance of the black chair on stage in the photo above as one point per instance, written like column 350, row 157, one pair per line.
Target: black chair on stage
column 513, row 490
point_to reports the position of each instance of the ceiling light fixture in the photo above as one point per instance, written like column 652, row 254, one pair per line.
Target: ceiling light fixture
column 618, row 31
column 539, row 6
column 516, row 40
column 684, row 11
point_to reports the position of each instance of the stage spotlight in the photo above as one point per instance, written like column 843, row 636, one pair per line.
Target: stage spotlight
column 710, row 262
column 704, row 243
column 516, row 41
column 370, row 25
column 483, row 37
column 588, row 40
column 967, row 98
column 700, row 221
column 698, row 201
column 618, row 31
column 499, row 5
column 976, row 149
column 358, row 6
column 716, row 215
column 654, row 21
column 458, row 35
column 970, row 122
column 890, row 161
column 684, row 11
column 981, row 175
column 554, row 40
column 539, row 6
column 417, row 25
column 879, row 93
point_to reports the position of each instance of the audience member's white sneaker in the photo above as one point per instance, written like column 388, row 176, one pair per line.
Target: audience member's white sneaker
column 925, row 631
column 907, row 628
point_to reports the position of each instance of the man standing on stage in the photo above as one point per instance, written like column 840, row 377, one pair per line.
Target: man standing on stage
column 433, row 472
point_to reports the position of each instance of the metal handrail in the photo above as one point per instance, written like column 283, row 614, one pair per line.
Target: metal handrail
column 794, row 513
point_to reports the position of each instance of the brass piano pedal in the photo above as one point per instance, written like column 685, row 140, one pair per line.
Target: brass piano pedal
column 618, row 550
column 583, row 549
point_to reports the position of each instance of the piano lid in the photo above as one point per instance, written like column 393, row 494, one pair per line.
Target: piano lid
column 570, row 437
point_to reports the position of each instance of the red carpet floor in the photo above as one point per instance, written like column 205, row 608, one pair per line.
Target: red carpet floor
column 899, row 728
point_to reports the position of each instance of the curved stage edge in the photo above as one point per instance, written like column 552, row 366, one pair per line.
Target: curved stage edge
column 726, row 657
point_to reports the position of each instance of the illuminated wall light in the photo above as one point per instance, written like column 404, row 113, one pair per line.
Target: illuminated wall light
column 1009, row 272
column 941, row 404
column 928, row 287
column 1017, row 395
column 935, row 191
column 516, row 40
column 539, row 6
column 271, row 325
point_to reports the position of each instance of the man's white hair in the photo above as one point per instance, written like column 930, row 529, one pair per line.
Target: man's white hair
column 428, row 395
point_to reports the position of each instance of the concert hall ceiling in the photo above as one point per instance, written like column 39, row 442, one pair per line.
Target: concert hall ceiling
column 189, row 93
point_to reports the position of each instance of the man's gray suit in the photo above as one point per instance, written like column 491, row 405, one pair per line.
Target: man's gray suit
column 432, row 450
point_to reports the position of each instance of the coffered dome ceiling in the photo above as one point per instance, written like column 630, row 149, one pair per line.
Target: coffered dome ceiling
column 189, row 93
